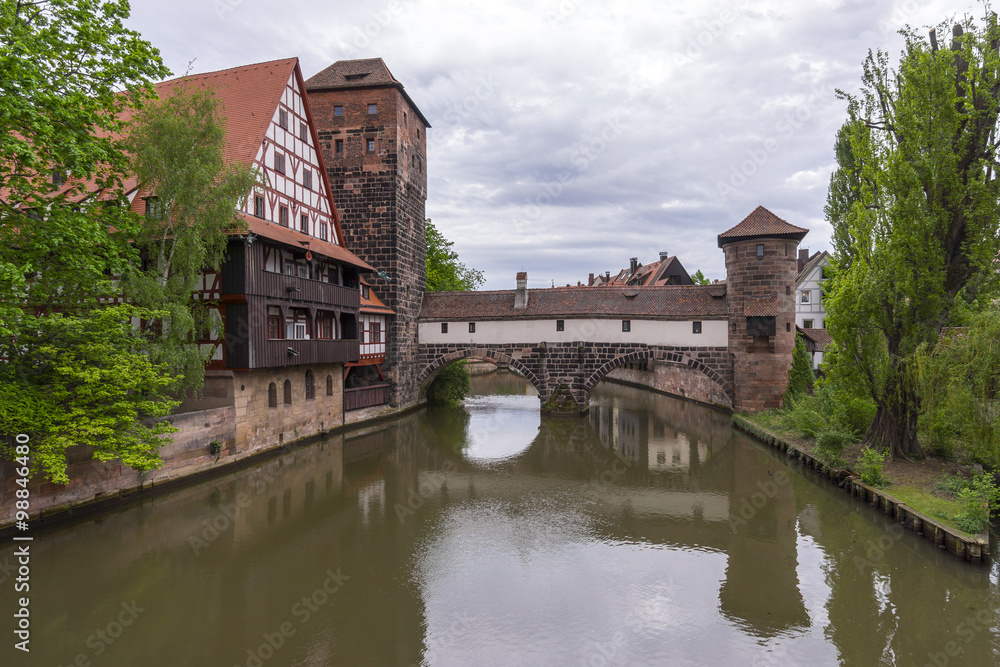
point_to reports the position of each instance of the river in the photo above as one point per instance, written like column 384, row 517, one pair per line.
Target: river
column 648, row 533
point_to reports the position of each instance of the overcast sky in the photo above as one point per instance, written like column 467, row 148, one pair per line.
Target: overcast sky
column 570, row 135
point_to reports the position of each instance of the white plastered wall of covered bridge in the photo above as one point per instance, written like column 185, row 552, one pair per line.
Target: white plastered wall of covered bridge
column 714, row 333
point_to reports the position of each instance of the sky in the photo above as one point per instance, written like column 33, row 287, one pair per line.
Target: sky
column 568, row 136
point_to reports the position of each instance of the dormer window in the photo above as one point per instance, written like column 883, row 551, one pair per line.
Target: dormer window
column 338, row 110
column 355, row 77
column 366, row 292
column 372, row 109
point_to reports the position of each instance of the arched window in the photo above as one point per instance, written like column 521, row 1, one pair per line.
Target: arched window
column 329, row 385
column 272, row 395
column 310, row 386
column 288, row 392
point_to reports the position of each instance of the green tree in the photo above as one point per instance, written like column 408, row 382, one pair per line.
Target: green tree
column 699, row 278
column 176, row 149
column 845, row 190
column 921, row 238
column 444, row 270
column 801, row 377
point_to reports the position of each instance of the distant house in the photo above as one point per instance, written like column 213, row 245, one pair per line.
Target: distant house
column 810, row 311
column 668, row 270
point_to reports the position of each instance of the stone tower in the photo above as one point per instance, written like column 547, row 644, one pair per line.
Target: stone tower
column 761, row 255
column 374, row 142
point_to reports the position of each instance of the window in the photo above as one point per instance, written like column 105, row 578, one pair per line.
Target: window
column 258, row 206
column 626, row 325
column 304, row 223
column 760, row 249
column 297, row 326
column 288, row 392
column 696, row 327
column 372, row 109
column 560, row 325
column 788, row 290
column 324, row 325
column 307, row 179
column 472, row 327
column 339, row 143
column 444, row 327
column 804, row 298
column 807, row 324
column 418, row 133
column 338, row 110
column 274, row 323
column 272, row 395
column 322, row 231
column 154, row 208
column 370, row 145
column 788, row 327
column 58, row 177
column 822, row 325
column 303, row 132
column 376, row 332
column 310, row 386
column 366, row 292
column 329, row 385
column 404, row 118
column 283, row 119
column 283, row 216
column 279, row 162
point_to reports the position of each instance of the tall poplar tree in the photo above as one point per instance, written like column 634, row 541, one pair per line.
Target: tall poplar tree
column 917, row 247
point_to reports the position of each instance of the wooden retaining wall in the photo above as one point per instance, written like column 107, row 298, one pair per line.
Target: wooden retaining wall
column 972, row 548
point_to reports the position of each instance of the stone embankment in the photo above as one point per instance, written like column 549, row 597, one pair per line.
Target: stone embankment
column 972, row 548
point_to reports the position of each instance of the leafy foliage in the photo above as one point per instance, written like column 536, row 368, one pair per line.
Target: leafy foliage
column 444, row 270
column 699, row 278
column 977, row 499
column 451, row 385
column 801, row 377
column 917, row 245
column 960, row 379
column 869, row 467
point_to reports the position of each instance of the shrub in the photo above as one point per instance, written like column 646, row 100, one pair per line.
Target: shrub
column 451, row 385
column 976, row 499
column 830, row 445
column 870, row 468
column 804, row 417
column 853, row 414
column 801, row 377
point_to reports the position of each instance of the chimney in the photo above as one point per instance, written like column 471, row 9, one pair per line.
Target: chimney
column 663, row 255
column 521, row 295
column 607, row 277
column 803, row 259
column 590, row 280
column 634, row 264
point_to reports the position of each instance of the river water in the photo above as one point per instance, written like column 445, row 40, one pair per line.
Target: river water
column 649, row 533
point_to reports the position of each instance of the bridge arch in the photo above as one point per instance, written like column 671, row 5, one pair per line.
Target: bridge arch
column 433, row 367
column 691, row 367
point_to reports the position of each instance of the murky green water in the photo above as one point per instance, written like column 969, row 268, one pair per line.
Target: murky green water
column 648, row 534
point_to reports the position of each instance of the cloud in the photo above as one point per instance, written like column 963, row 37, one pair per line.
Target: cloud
column 570, row 135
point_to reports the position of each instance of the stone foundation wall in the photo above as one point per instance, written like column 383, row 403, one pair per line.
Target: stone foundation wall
column 246, row 427
column 677, row 380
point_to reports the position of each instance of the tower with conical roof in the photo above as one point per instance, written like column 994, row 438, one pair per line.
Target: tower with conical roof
column 374, row 141
column 761, row 254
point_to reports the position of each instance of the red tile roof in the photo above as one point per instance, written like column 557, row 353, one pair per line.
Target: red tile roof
column 373, row 304
column 361, row 73
column 761, row 222
column 673, row 302
column 821, row 337
column 760, row 306
column 290, row 237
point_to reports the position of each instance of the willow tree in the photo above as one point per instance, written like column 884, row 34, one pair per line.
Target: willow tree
column 921, row 237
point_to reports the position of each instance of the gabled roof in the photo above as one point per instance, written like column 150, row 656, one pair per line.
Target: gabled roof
column 362, row 73
column 373, row 304
column 820, row 258
column 761, row 222
column 294, row 239
column 820, row 337
column 673, row 302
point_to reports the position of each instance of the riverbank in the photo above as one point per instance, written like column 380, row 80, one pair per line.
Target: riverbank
column 919, row 482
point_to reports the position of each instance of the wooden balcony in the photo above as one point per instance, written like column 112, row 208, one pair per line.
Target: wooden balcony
column 296, row 352
column 280, row 286
column 365, row 397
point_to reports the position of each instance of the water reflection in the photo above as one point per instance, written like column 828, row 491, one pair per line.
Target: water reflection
column 648, row 533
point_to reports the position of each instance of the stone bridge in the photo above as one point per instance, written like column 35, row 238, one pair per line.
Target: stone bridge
column 728, row 344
